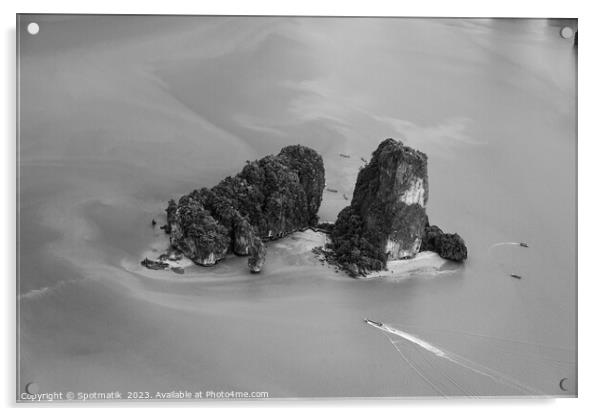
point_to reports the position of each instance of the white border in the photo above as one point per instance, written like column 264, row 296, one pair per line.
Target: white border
column 590, row 179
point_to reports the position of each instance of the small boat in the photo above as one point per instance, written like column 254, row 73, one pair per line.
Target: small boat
column 177, row 270
column 516, row 276
column 153, row 222
column 524, row 244
column 373, row 323
column 344, row 155
column 332, row 190
column 364, row 160
column 345, row 196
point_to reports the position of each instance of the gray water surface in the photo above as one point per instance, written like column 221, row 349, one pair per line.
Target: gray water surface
column 120, row 114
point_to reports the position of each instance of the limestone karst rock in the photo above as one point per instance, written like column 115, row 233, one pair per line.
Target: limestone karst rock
column 387, row 217
column 257, row 253
column 270, row 198
column 448, row 246
column 277, row 195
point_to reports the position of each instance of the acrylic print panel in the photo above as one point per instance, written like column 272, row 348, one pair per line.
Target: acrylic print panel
column 360, row 207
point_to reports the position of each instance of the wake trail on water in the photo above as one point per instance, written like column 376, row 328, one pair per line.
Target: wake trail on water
column 506, row 243
column 502, row 244
column 494, row 338
column 431, row 362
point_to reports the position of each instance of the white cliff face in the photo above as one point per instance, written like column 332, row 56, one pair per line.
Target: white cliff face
column 190, row 249
column 396, row 252
column 210, row 259
column 241, row 246
column 415, row 193
column 176, row 232
column 206, row 261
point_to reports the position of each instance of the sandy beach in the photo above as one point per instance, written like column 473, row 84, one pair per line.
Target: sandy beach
column 425, row 263
column 300, row 245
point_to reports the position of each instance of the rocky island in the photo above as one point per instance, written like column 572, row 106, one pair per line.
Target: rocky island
column 278, row 195
column 270, row 198
column 387, row 217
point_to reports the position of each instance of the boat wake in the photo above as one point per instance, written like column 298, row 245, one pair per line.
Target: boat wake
column 508, row 258
column 507, row 243
column 447, row 373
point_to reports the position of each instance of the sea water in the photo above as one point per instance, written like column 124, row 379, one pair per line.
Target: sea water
column 120, row 114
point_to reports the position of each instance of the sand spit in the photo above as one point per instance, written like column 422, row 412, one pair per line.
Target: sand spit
column 299, row 245
column 424, row 262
